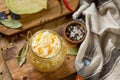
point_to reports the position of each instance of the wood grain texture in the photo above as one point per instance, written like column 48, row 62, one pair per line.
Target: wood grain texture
column 33, row 20
column 4, row 72
column 13, row 44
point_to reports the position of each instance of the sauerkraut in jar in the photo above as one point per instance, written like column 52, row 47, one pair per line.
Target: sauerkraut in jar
column 47, row 51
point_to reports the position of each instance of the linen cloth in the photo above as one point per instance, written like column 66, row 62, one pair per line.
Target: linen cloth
column 103, row 29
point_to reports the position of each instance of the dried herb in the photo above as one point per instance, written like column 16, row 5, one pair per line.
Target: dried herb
column 60, row 3
column 23, row 51
column 72, row 51
column 22, row 54
column 11, row 23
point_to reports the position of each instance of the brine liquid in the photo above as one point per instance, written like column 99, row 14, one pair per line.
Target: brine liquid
column 47, row 51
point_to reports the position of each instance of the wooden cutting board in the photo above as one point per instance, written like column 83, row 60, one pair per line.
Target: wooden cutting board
column 33, row 20
column 27, row 72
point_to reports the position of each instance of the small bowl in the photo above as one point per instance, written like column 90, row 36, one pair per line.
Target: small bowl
column 75, row 32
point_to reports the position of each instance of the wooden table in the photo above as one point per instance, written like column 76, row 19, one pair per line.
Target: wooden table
column 7, row 42
column 10, row 46
column 31, row 20
column 4, row 72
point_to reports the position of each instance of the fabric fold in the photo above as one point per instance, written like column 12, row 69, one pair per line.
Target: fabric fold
column 103, row 30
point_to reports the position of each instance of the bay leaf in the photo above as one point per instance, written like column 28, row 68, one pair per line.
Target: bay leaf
column 72, row 51
column 11, row 23
column 22, row 54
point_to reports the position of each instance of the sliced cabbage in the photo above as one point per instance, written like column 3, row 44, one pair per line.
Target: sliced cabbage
column 26, row 6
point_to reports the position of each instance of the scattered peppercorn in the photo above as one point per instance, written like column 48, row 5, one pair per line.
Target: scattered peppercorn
column 68, row 58
column 1, row 49
column 24, row 78
column 1, row 73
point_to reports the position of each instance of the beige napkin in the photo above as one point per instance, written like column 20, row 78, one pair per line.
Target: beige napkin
column 103, row 29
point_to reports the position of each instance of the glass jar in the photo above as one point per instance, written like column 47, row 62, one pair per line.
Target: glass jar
column 47, row 51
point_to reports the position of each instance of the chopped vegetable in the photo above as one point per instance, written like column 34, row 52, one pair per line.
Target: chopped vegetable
column 11, row 23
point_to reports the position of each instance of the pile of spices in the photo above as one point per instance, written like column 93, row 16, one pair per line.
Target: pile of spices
column 75, row 32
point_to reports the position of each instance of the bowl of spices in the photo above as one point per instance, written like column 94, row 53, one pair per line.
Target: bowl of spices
column 75, row 32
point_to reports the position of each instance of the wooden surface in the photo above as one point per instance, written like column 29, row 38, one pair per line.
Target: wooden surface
column 4, row 72
column 33, row 20
column 11, row 46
